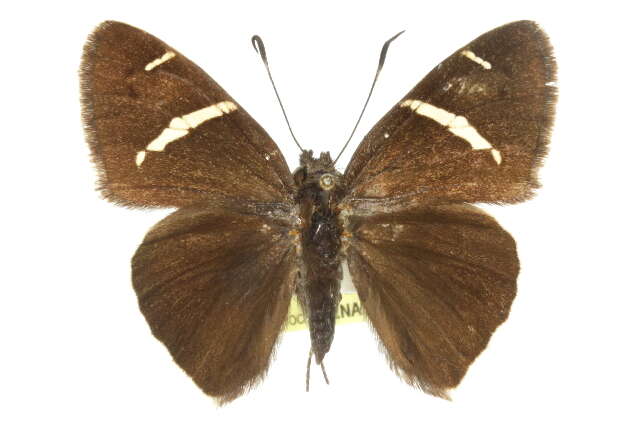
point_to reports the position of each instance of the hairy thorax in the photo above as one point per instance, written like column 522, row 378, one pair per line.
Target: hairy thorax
column 320, row 190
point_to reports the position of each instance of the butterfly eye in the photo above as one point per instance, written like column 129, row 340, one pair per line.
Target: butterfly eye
column 327, row 182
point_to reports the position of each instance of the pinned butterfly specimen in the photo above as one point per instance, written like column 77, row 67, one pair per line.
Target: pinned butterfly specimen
column 214, row 279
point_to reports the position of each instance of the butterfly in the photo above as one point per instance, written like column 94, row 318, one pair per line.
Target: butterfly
column 436, row 275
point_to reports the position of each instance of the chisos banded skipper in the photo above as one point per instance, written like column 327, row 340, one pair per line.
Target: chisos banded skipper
column 435, row 274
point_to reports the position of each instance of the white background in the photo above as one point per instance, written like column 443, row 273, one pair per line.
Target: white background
column 74, row 349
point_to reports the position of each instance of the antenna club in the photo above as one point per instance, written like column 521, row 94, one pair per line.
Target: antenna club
column 383, row 56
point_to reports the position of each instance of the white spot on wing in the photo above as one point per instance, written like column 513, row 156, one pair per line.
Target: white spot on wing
column 496, row 155
column 425, row 109
column 179, row 123
column 140, row 157
column 180, row 126
column 472, row 56
column 227, row 106
column 164, row 58
column 457, row 125
column 168, row 135
column 200, row 116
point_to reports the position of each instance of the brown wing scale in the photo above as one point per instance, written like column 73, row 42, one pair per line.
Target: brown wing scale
column 215, row 287
column 475, row 129
column 435, row 284
column 136, row 88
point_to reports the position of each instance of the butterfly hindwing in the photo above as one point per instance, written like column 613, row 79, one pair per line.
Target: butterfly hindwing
column 163, row 133
column 435, row 283
column 215, row 287
column 475, row 129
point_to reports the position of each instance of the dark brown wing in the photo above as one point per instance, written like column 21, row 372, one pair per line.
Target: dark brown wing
column 475, row 129
column 215, row 287
column 435, row 284
column 163, row 133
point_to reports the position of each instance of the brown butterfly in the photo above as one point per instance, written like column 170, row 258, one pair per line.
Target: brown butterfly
column 214, row 279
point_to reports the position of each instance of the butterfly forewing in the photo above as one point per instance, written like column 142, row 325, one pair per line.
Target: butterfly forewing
column 163, row 133
column 435, row 283
column 215, row 287
column 475, row 129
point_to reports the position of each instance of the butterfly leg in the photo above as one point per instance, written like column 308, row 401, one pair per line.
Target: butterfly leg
column 326, row 379
column 309, row 367
column 324, row 372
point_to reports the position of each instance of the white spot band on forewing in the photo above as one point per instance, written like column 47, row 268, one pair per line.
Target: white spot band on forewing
column 180, row 126
column 457, row 125
column 168, row 135
column 164, row 58
column 472, row 56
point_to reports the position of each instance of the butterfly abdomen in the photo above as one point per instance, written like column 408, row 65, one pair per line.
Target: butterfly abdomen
column 319, row 287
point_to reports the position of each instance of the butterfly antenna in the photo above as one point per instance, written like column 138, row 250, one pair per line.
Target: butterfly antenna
column 258, row 45
column 383, row 55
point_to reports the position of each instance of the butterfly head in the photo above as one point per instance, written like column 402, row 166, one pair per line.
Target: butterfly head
column 317, row 172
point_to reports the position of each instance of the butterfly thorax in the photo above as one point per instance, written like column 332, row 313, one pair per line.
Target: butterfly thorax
column 318, row 289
